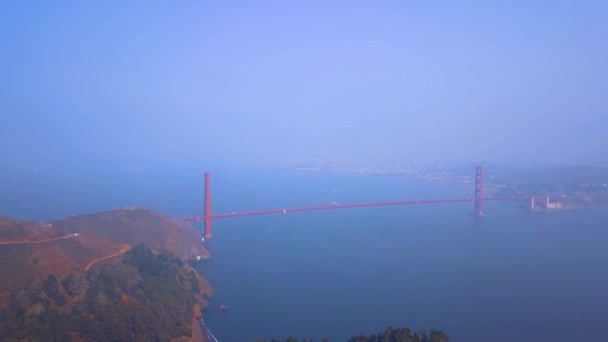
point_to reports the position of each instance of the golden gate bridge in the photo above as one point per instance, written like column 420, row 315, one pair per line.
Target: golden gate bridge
column 477, row 200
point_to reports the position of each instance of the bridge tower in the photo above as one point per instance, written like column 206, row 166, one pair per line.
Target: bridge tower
column 478, row 191
column 207, row 212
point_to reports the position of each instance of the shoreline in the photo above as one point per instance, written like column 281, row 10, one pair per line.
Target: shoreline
column 209, row 335
column 564, row 209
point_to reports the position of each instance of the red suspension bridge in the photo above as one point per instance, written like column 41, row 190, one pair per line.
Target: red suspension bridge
column 477, row 200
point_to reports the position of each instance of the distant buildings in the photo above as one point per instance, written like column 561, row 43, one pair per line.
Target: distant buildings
column 543, row 202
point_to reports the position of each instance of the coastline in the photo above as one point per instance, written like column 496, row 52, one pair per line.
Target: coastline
column 567, row 209
column 207, row 332
column 205, row 284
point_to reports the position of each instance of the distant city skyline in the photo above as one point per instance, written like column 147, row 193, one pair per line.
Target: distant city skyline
column 268, row 82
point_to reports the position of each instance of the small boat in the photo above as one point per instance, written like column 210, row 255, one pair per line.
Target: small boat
column 223, row 307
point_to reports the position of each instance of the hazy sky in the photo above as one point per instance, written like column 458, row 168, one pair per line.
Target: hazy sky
column 127, row 81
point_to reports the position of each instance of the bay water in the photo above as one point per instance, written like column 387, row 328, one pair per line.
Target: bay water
column 509, row 276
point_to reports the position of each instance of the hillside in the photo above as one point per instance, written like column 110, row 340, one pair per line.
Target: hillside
column 139, row 295
column 34, row 250
column 14, row 230
column 137, row 225
column 101, row 276
column 20, row 262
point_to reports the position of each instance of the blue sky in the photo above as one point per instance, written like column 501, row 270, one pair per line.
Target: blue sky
column 273, row 81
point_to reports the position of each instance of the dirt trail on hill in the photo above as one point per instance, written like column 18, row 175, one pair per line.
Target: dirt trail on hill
column 122, row 250
column 31, row 242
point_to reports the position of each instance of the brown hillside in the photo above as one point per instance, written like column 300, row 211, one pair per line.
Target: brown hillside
column 31, row 250
column 14, row 230
column 92, row 276
column 134, row 294
column 137, row 225
column 21, row 262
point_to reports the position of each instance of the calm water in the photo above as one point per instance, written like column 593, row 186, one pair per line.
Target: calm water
column 511, row 276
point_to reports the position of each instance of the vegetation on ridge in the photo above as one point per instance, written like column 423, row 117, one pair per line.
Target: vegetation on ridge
column 389, row 335
column 141, row 296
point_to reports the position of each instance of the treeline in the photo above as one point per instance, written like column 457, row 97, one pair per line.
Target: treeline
column 146, row 297
column 389, row 335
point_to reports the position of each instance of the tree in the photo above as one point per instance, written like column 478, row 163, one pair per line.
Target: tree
column 390, row 334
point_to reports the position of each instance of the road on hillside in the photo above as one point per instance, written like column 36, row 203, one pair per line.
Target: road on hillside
column 69, row 236
column 122, row 250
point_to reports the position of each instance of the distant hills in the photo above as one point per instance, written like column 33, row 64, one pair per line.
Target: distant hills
column 566, row 174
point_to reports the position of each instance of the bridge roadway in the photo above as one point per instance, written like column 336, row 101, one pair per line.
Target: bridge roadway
column 349, row 206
